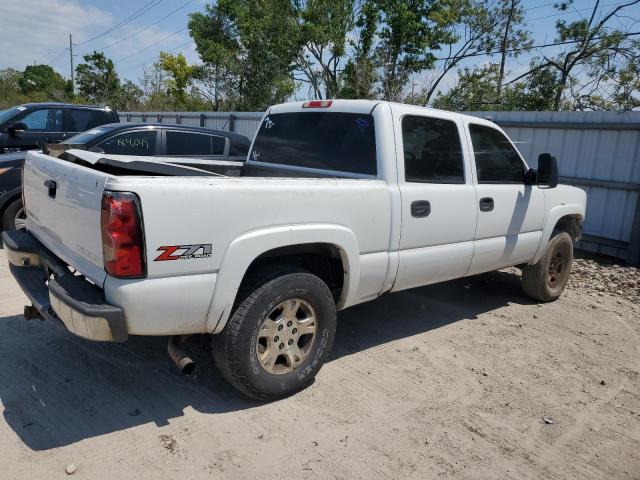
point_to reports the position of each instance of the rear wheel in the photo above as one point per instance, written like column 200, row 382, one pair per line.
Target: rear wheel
column 545, row 281
column 279, row 336
column 14, row 217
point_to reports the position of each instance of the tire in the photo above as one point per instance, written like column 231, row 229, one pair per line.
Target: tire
column 246, row 351
column 545, row 280
column 14, row 212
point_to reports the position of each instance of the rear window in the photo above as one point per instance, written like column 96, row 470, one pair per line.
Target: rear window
column 342, row 142
column 187, row 143
column 88, row 136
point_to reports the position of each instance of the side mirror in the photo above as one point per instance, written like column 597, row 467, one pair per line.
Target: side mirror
column 547, row 171
column 15, row 128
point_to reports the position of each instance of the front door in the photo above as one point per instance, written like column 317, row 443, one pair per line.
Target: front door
column 39, row 126
column 510, row 213
column 438, row 197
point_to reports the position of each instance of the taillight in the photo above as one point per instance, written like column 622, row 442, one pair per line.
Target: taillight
column 317, row 104
column 122, row 239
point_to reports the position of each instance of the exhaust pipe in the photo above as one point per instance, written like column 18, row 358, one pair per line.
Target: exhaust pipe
column 179, row 356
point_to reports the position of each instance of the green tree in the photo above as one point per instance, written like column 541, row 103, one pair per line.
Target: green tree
column 408, row 31
column 97, row 79
column 477, row 90
column 10, row 93
column 359, row 75
column 45, row 80
column 179, row 76
column 253, row 43
column 322, row 52
column 595, row 53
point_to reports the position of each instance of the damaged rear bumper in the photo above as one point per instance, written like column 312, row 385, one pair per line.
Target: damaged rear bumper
column 59, row 295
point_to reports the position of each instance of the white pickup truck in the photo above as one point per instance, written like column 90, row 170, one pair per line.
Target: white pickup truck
column 338, row 202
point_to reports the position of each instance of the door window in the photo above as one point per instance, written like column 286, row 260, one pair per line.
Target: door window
column 194, row 144
column 432, row 150
column 496, row 159
column 44, row 120
column 82, row 120
column 142, row 142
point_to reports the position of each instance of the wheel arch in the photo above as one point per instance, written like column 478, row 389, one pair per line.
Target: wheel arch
column 285, row 245
column 567, row 218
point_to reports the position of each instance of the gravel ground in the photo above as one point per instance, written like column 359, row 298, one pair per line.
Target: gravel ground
column 463, row 380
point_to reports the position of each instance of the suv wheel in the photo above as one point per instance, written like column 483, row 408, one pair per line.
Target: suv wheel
column 279, row 336
column 14, row 217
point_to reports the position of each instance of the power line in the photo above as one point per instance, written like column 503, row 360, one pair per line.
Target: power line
column 148, row 6
column 546, row 45
column 150, row 59
column 147, row 28
column 568, row 12
column 152, row 45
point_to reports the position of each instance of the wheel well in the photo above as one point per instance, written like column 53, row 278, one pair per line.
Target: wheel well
column 321, row 259
column 8, row 201
column 570, row 224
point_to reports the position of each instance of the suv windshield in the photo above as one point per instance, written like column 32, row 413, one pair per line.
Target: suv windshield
column 88, row 136
column 343, row 142
column 7, row 114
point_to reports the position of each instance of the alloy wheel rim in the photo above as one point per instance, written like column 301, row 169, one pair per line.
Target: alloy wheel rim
column 286, row 336
column 21, row 220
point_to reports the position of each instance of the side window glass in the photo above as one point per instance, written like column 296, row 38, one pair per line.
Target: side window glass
column 238, row 149
column 131, row 143
column 45, row 120
column 193, row 144
column 496, row 159
column 432, row 150
column 82, row 120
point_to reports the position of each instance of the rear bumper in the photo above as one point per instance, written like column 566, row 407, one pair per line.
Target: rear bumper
column 59, row 295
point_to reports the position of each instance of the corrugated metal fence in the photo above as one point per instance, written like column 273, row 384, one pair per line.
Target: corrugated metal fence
column 596, row 151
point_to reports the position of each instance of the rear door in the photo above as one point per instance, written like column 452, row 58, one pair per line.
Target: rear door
column 197, row 148
column 63, row 202
column 438, row 197
column 76, row 120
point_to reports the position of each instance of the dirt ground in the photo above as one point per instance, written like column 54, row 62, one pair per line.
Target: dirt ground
column 450, row 381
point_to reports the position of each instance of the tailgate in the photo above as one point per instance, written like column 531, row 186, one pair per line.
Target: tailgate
column 64, row 214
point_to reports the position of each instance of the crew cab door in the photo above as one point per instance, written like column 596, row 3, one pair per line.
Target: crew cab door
column 437, row 194
column 510, row 213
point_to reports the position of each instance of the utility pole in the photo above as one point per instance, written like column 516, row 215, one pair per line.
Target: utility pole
column 73, row 86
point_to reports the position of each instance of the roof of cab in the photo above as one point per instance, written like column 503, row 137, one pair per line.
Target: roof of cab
column 367, row 106
column 114, row 127
column 61, row 104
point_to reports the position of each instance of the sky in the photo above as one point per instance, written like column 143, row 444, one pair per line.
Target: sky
column 38, row 31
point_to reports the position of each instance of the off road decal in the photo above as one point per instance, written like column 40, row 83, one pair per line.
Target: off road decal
column 184, row 252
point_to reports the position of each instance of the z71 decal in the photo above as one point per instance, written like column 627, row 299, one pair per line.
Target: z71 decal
column 184, row 252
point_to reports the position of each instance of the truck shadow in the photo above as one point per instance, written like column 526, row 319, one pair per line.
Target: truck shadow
column 58, row 389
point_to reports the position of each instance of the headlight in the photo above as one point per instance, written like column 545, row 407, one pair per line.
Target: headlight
column 2, row 170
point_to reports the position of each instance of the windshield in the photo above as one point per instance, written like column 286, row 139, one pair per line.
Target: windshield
column 7, row 114
column 88, row 136
column 336, row 141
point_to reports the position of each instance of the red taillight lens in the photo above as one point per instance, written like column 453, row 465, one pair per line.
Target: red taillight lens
column 317, row 104
column 122, row 239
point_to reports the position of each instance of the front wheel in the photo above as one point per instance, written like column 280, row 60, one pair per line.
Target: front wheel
column 278, row 338
column 545, row 280
column 14, row 217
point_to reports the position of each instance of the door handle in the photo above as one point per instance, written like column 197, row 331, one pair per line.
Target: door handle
column 420, row 208
column 52, row 187
column 486, row 204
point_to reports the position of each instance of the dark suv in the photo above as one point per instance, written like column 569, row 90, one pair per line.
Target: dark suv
column 32, row 124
